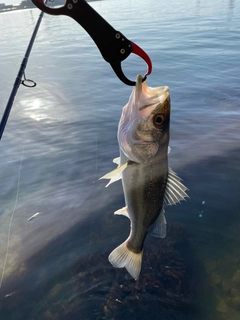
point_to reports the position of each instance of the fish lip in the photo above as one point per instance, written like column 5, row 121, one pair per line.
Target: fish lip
column 163, row 94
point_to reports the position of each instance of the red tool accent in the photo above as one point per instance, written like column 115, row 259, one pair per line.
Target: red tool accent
column 138, row 51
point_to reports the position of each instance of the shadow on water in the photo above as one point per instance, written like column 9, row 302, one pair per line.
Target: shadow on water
column 71, row 278
column 92, row 289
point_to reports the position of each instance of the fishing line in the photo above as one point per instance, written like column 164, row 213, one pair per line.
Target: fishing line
column 11, row 219
column 96, row 159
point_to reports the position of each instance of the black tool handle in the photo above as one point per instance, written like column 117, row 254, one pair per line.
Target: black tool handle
column 113, row 45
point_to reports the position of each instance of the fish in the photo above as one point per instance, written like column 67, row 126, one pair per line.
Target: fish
column 149, row 185
column 33, row 216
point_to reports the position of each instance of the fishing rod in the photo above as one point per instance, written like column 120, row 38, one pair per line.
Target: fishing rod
column 20, row 75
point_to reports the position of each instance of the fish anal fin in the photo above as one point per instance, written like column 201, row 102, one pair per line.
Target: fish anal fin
column 123, row 211
column 123, row 257
column 160, row 226
column 175, row 190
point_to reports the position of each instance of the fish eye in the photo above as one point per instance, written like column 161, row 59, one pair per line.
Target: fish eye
column 158, row 119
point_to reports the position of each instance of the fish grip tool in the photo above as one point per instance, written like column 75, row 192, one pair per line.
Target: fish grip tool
column 112, row 44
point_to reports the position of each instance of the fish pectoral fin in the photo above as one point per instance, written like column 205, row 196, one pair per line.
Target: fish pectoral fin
column 123, row 257
column 169, row 149
column 117, row 160
column 175, row 190
column 160, row 226
column 116, row 174
column 123, row 211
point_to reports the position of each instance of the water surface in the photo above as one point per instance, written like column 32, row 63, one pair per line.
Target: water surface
column 61, row 137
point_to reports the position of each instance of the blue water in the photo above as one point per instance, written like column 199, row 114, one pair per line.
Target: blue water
column 61, row 137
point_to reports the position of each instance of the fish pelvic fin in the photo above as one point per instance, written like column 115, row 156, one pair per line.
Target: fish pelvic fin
column 116, row 174
column 123, row 257
column 117, row 161
column 123, row 211
column 160, row 226
column 175, row 190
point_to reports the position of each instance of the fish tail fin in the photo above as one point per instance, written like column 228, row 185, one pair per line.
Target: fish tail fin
column 123, row 257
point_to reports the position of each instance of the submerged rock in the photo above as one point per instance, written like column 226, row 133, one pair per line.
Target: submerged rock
column 224, row 276
column 165, row 279
column 92, row 289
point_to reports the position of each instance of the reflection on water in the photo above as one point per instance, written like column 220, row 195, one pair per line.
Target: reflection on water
column 61, row 137
column 231, row 4
column 231, row 7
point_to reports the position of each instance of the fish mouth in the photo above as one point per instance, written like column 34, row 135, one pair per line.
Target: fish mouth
column 157, row 96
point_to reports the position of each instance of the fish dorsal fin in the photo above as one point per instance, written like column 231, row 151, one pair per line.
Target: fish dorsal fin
column 175, row 190
column 160, row 226
column 123, row 211
column 116, row 174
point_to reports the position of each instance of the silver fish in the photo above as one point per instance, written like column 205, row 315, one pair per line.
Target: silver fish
column 33, row 216
column 148, row 183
